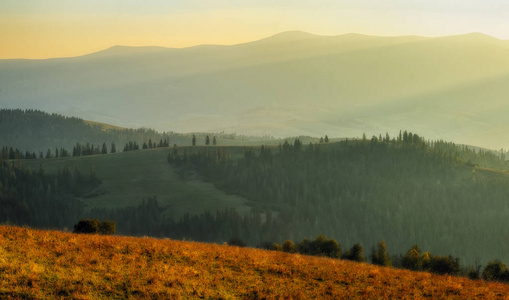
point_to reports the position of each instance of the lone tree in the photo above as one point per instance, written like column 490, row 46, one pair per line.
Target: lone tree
column 214, row 141
column 326, row 139
column 207, row 140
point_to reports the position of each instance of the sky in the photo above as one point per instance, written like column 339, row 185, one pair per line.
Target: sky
column 62, row 28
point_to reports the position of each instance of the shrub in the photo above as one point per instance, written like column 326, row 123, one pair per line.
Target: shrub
column 276, row 247
column 306, row 247
column 321, row 246
column 444, row 265
column 94, row 226
column 412, row 259
column 87, row 226
column 380, row 256
column 495, row 271
column 288, row 246
column 266, row 245
column 355, row 253
column 107, row 227
column 235, row 241
column 474, row 272
column 330, row 248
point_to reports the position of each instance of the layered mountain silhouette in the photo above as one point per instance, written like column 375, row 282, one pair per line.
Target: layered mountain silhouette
column 294, row 83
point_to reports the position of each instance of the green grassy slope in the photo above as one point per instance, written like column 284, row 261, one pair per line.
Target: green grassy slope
column 129, row 177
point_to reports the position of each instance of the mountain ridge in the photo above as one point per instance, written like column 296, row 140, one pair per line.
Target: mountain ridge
column 213, row 87
column 285, row 36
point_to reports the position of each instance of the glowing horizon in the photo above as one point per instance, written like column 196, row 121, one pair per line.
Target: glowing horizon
column 57, row 28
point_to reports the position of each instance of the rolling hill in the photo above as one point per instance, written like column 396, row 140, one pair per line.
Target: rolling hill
column 50, row 264
column 419, row 192
column 290, row 84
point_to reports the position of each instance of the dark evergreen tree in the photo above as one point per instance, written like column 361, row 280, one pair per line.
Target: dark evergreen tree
column 104, row 149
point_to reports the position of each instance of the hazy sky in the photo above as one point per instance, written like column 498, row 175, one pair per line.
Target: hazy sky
column 55, row 28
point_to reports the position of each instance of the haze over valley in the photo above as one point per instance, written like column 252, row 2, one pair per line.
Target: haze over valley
column 293, row 83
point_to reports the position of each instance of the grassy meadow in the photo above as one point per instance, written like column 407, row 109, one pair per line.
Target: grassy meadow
column 128, row 177
column 37, row 264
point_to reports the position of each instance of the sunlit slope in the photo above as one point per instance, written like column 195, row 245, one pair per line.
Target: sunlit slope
column 292, row 83
column 474, row 111
column 129, row 177
column 49, row 264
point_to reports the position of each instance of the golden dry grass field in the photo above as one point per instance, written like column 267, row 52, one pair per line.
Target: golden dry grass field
column 36, row 264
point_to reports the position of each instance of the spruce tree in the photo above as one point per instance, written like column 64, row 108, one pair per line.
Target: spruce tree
column 104, row 149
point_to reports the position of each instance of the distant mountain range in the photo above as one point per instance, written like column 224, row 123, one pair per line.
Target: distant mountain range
column 294, row 83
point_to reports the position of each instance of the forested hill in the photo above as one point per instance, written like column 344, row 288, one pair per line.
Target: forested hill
column 448, row 199
column 36, row 131
column 404, row 191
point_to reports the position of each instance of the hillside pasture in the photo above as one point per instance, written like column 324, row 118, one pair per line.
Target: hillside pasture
column 39, row 264
column 129, row 177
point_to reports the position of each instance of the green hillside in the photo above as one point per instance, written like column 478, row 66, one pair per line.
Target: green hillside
column 129, row 177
